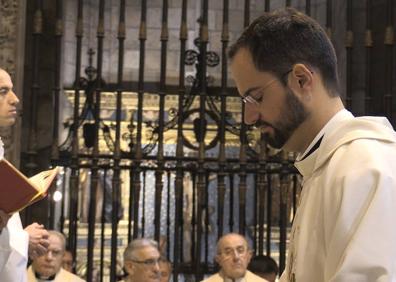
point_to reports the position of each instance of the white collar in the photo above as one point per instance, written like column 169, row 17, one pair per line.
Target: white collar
column 306, row 165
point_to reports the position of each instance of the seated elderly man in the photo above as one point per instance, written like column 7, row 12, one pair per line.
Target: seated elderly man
column 141, row 261
column 48, row 267
column 233, row 256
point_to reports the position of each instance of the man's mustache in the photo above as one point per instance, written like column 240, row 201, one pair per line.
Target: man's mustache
column 260, row 123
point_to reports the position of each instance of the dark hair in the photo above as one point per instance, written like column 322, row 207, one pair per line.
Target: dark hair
column 282, row 38
column 263, row 264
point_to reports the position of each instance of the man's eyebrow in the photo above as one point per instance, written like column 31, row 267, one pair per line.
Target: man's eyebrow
column 250, row 90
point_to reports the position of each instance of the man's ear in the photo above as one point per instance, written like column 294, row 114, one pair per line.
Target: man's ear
column 217, row 259
column 300, row 79
column 249, row 254
column 129, row 267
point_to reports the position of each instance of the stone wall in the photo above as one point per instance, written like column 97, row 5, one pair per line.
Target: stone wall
column 12, row 36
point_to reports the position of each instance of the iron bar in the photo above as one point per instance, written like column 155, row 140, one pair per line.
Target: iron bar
column 95, row 152
column 369, row 47
column 31, row 165
column 102, row 233
column 255, row 213
column 206, row 220
column 389, row 42
column 329, row 18
column 57, row 80
column 178, row 235
column 261, row 189
column 194, row 215
column 243, row 148
column 116, row 181
column 168, row 213
column 143, row 219
column 246, row 18
column 137, row 149
column 349, row 46
column 308, row 7
column 162, row 93
column 56, row 91
column 201, row 185
column 225, row 37
column 267, row 6
column 231, row 205
column 75, row 173
column 269, row 215
column 295, row 192
column 63, row 203
column 282, row 222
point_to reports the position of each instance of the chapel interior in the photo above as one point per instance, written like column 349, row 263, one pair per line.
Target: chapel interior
column 134, row 101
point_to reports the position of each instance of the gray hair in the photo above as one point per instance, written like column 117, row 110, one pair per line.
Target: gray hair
column 60, row 236
column 133, row 246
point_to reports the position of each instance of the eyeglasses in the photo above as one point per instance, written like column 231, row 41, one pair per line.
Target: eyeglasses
column 248, row 99
column 147, row 262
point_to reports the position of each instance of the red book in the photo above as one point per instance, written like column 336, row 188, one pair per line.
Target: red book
column 17, row 191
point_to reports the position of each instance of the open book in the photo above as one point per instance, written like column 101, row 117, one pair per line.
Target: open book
column 17, row 191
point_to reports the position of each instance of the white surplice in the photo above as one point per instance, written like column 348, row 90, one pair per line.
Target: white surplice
column 14, row 242
column 249, row 277
column 345, row 225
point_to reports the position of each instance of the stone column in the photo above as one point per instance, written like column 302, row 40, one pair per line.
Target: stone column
column 12, row 45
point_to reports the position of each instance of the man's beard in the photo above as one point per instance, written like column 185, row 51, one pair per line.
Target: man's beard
column 292, row 115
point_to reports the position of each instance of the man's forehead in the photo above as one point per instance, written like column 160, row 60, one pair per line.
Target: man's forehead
column 245, row 73
column 233, row 242
column 147, row 252
column 4, row 77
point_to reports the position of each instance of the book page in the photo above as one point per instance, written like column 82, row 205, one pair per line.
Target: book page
column 43, row 180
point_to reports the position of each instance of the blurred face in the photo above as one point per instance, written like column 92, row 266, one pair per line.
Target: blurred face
column 273, row 108
column 8, row 100
column 233, row 256
column 67, row 262
column 165, row 270
column 145, row 266
column 50, row 263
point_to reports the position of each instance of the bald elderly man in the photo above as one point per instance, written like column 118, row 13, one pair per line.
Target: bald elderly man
column 233, row 256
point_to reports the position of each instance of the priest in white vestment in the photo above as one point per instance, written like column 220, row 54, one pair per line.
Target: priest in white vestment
column 14, row 241
column 285, row 69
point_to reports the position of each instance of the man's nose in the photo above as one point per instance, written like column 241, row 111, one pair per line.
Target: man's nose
column 13, row 98
column 251, row 115
column 156, row 267
column 49, row 255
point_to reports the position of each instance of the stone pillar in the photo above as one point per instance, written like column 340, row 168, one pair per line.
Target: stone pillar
column 12, row 45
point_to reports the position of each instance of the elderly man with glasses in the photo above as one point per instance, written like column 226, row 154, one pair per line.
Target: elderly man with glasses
column 141, row 261
column 233, row 256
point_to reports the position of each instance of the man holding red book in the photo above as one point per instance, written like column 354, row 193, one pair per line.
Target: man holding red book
column 15, row 242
